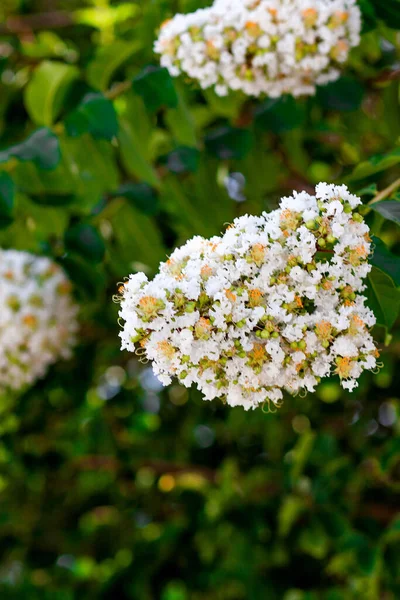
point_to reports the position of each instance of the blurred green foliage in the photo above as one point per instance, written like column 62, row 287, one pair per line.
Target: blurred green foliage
column 110, row 486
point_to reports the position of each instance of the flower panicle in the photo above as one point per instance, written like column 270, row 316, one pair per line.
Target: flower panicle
column 271, row 47
column 273, row 304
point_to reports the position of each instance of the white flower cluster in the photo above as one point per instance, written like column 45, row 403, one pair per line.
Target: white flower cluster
column 268, row 47
column 274, row 303
column 37, row 317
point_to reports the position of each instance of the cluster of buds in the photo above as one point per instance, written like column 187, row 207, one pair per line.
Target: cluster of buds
column 273, row 304
column 37, row 318
column 271, row 47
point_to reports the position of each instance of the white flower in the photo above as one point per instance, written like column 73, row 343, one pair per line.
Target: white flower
column 37, row 318
column 274, row 303
column 271, row 47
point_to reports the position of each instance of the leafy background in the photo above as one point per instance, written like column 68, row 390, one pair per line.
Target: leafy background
column 112, row 487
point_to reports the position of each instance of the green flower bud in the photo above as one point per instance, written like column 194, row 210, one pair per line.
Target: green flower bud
column 190, row 307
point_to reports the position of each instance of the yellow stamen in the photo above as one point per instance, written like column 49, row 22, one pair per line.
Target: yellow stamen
column 323, row 330
column 255, row 298
column 310, row 16
column 230, row 295
column 257, row 254
column 343, row 367
column 30, row 320
column 203, row 328
column 166, row 348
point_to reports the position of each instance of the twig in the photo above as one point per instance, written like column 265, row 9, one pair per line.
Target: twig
column 118, row 89
column 386, row 192
column 24, row 24
column 388, row 75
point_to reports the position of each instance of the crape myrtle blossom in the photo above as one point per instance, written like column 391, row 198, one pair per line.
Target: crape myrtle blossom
column 273, row 304
column 37, row 318
column 271, row 47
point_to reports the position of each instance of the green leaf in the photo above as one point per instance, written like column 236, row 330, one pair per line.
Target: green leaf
column 141, row 195
column 388, row 11
column 345, row 94
column 7, row 193
column 182, row 160
column 368, row 15
column 289, row 512
column 392, row 533
column 41, row 147
column 107, row 60
column 89, row 281
column 390, row 209
column 52, row 199
column 133, row 154
column 95, row 115
column 369, row 190
column 181, row 123
column 45, row 92
column 155, row 85
column 376, row 164
column 85, row 240
column 279, row 115
column 383, row 298
column 91, row 168
column 314, row 540
column 386, row 261
column 229, row 142
column 224, row 106
column 137, row 242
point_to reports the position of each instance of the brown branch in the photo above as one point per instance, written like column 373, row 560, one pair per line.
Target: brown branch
column 386, row 76
column 386, row 192
column 380, row 512
column 118, row 89
column 27, row 23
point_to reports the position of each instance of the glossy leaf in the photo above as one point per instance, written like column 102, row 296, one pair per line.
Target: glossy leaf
column 95, row 115
column 85, row 240
column 386, row 261
column 383, row 298
column 141, row 195
column 156, row 87
column 107, row 61
column 41, row 147
column 229, row 142
column 7, row 193
column 182, row 160
column 390, row 209
column 133, row 154
column 344, row 94
column 137, row 241
column 45, row 92
column 279, row 115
